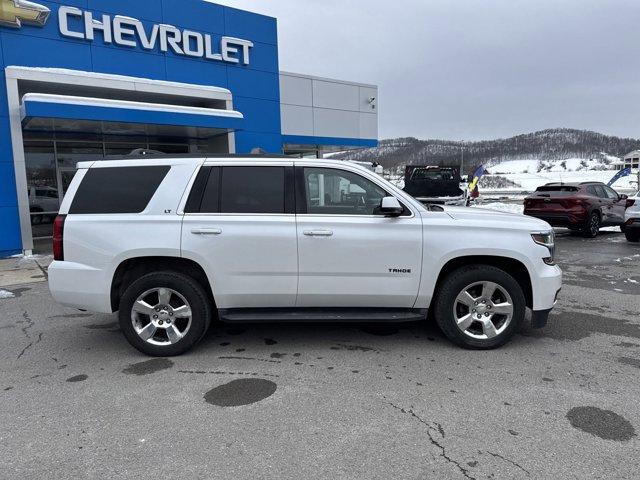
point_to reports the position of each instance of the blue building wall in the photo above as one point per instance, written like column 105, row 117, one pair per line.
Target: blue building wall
column 255, row 87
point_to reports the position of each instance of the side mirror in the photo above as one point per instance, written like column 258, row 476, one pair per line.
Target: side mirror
column 390, row 207
column 624, row 197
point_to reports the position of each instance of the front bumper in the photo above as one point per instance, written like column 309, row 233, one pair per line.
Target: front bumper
column 540, row 318
column 546, row 284
column 546, row 288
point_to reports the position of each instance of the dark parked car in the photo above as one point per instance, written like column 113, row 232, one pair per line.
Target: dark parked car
column 581, row 207
column 434, row 185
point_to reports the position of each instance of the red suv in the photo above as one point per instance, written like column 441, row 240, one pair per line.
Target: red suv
column 581, row 207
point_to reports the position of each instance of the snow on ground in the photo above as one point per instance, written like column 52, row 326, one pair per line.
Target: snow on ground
column 501, row 206
column 36, row 256
column 6, row 294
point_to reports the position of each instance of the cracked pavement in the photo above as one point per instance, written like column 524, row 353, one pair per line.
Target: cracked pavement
column 332, row 401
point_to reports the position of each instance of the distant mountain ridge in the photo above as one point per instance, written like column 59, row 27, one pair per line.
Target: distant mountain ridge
column 549, row 145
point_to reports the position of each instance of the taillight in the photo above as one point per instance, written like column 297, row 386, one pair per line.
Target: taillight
column 630, row 202
column 58, row 234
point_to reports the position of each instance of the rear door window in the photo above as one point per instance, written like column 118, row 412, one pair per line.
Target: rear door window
column 117, row 189
column 205, row 192
column 252, row 190
column 242, row 190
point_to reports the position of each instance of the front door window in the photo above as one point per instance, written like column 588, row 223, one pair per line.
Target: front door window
column 339, row 192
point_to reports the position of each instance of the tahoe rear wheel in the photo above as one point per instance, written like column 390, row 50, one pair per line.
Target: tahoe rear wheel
column 592, row 227
column 164, row 314
column 479, row 306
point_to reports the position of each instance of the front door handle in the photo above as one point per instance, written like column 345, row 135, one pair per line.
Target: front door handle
column 318, row 233
column 206, row 231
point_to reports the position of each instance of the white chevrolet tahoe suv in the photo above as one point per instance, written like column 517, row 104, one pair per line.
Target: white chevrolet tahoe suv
column 173, row 243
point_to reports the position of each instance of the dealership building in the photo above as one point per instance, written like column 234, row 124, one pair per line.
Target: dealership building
column 97, row 79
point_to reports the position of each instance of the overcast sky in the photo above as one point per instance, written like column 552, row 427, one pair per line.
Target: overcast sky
column 470, row 69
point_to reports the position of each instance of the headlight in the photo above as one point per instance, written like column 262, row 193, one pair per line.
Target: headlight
column 546, row 239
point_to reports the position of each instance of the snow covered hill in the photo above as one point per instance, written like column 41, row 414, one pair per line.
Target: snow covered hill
column 527, row 175
column 552, row 146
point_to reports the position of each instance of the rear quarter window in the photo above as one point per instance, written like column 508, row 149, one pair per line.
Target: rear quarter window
column 117, row 189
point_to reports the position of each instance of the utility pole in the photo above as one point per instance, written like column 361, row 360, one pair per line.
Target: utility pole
column 462, row 160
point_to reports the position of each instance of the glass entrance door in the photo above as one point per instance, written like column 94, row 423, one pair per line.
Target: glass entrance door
column 42, row 186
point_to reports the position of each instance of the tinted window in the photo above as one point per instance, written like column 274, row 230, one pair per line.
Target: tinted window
column 337, row 192
column 432, row 174
column 205, row 192
column 600, row 191
column 557, row 188
column 591, row 190
column 211, row 197
column 610, row 193
column 252, row 190
column 117, row 189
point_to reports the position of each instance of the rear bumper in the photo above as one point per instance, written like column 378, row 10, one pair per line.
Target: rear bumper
column 80, row 286
column 559, row 219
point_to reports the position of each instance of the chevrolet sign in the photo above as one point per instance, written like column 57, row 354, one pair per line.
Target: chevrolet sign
column 15, row 12
column 130, row 32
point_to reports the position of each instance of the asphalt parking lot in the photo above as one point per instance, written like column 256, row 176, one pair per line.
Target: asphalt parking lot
column 282, row 401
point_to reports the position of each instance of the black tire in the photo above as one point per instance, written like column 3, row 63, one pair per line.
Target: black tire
column 455, row 282
column 186, row 286
column 623, row 228
column 592, row 226
column 633, row 235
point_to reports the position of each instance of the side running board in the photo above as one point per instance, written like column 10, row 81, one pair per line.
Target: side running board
column 319, row 315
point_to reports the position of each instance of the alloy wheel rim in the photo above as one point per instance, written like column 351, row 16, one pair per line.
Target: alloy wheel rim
column 161, row 316
column 483, row 310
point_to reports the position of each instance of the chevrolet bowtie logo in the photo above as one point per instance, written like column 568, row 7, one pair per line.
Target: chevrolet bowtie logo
column 13, row 13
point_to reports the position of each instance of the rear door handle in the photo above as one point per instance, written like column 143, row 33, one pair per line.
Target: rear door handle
column 206, row 231
column 318, row 233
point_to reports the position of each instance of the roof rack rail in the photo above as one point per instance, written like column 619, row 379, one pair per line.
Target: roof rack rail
column 144, row 152
column 140, row 153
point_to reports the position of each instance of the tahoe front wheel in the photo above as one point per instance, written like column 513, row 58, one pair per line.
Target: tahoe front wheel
column 164, row 314
column 479, row 306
